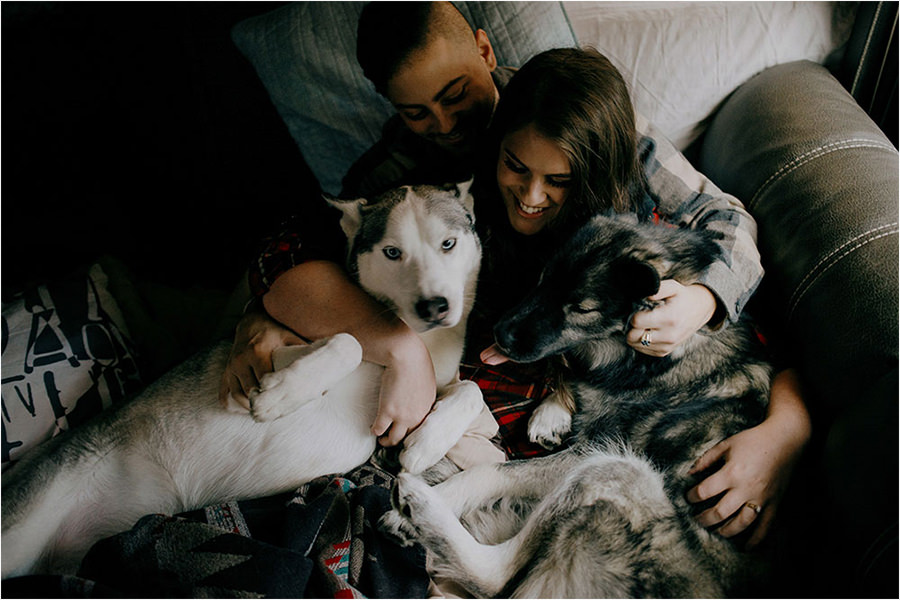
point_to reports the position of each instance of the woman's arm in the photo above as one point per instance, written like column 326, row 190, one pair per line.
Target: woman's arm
column 687, row 198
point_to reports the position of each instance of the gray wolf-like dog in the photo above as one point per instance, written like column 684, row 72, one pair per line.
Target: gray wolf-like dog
column 605, row 517
column 174, row 448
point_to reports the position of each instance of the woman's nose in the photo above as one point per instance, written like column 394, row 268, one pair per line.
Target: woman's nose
column 534, row 192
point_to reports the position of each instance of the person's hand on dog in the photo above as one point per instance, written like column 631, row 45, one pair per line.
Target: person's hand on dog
column 408, row 390
column 255, row 337
column 756, row 466
column 682, row 311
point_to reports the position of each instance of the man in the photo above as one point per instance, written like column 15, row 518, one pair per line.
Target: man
column 444, row 81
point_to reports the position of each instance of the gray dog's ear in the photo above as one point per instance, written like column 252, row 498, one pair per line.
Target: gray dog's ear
column 351, row 213
column 465, row 196
column 637, row 278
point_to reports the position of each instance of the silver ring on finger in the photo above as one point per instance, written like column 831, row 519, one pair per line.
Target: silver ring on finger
column 645, row 338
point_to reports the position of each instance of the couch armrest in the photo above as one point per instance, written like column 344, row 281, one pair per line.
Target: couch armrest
column 821, row 180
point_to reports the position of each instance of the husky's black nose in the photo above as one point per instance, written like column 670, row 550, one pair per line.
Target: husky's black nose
column 433, row 310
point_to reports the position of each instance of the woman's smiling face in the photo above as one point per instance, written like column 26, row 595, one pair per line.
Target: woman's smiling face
column 534, row 176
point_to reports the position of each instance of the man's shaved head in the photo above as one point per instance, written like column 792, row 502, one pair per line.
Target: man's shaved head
column 389, row 33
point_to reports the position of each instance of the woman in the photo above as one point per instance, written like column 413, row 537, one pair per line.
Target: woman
column 567, row 148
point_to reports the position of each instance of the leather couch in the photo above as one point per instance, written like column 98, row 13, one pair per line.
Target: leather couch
column 821, row 179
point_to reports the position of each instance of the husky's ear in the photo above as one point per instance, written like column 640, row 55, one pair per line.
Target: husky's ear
column 636, row 278
column 351, row 213
column 465, row 197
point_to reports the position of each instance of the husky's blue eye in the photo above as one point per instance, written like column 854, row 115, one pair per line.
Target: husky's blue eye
column 392, row 252
column 448, row 244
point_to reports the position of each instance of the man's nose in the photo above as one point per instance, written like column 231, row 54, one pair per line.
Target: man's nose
column 443, row 121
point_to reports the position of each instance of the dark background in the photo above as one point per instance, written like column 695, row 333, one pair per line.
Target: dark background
column 138, row 130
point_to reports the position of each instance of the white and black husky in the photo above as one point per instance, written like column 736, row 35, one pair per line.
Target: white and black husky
column 607, row 516
column 173, row 448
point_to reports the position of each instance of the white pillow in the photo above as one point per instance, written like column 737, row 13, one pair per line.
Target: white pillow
column 684, row 58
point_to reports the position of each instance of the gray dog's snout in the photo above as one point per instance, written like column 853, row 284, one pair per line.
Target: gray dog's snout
column 433, row 310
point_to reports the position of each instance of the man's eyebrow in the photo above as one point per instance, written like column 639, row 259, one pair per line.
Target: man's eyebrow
column 437, row 96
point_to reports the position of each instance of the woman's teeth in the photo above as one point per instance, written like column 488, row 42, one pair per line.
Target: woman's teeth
column 529, row 209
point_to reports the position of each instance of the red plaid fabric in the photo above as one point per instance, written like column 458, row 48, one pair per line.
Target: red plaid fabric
column 512, row 391
column 512, row 395
column 279, row 253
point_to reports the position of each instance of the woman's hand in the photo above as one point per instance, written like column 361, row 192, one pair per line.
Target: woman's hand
column 684, row 310
column 255, row 337
column 757, row 465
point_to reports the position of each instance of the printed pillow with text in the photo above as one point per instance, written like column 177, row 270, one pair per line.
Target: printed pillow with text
column 66, row 357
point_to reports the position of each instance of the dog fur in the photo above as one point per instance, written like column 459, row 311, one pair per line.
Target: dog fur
column 607, row 516
column 173, row 448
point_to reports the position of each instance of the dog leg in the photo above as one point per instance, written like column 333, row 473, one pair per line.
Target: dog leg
column 483, row 486
column 304, row 373
column 551, row 421
column 453, row 554
column 451, row 416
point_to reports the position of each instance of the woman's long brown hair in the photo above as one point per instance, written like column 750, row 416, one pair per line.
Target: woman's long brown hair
column 576, row 98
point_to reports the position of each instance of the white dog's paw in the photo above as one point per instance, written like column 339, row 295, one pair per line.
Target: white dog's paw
column 549, row 424
column 422, row 449
column 396, row 527
column 422, row 506
column 273, row 403
column 408, row 496
column 304, row 373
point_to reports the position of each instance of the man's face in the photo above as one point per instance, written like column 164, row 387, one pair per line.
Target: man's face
column 444, row 92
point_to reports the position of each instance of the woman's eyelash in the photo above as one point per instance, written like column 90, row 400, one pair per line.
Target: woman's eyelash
column 558, row 183
column 514, row 167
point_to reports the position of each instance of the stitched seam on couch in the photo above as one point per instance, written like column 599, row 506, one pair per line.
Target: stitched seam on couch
column 860, row 67
column 811, row 155
column 833, row 258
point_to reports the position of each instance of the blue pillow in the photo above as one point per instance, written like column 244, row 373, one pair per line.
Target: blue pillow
column 305, row 55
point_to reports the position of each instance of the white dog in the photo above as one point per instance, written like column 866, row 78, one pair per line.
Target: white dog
column 173, row 448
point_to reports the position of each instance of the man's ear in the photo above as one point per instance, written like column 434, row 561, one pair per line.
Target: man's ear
column 351, row 210
column 485, row 49
column 638, row 279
